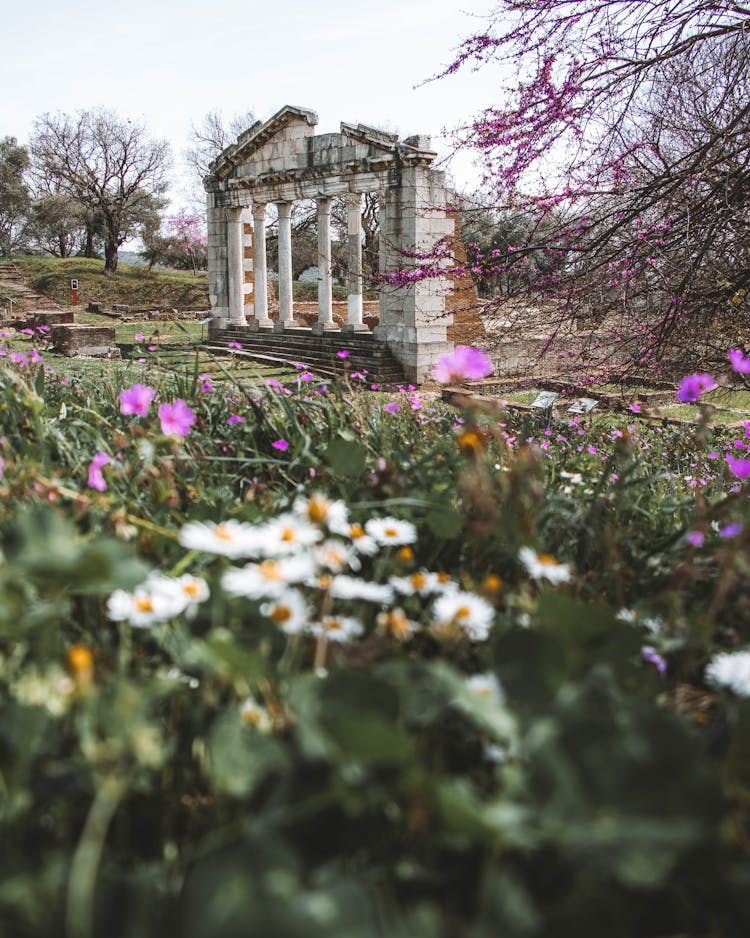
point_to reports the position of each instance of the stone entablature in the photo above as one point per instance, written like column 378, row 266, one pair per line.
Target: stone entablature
column 282, row 160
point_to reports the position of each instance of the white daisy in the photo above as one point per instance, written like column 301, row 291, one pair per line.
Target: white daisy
column 544, row 566
column 319, row 510
column 361, row 542
column 338, row 628
column 289, row 611
column 421, row 582
column 252, row 713
column 485, row 686
column 287, row 534
column 732, row 670
column 395, row 624
column 155, row 600
column 391, row 532
column 269, row 577
column 350, row 587
column 336, row 556
column 461, row 612
column 229, row 538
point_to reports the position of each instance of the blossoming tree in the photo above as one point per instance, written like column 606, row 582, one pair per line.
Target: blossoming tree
column 624, row 138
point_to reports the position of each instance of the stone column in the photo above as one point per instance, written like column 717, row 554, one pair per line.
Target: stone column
column 261, row 270
column 354, row 263
column 218, row 290
column 286, row 310
column 235, row 267
column 325, row 283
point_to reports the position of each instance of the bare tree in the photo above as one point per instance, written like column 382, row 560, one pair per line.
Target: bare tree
column 110, row 166
column 212, row 135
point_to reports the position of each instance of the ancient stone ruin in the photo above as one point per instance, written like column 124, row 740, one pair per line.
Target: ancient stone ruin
column 282, row 160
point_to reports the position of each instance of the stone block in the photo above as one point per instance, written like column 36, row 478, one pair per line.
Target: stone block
column 79, row 340
column 48, row 318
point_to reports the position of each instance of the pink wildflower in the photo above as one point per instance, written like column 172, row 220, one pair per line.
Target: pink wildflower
column 176, row 418
column 739, row 363
column 343, row 353
column 280, row 445
column 96, row 479
column 136, row 400
column 692, row 386
column 235, row 418
column 738, row 467
column 464, row 364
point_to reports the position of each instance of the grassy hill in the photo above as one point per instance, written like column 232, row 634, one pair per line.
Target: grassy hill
column 132, row 285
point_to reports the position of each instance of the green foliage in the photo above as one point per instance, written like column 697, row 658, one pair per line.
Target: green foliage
column 211, row 775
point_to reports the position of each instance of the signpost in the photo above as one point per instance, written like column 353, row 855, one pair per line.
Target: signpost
column 74, row 291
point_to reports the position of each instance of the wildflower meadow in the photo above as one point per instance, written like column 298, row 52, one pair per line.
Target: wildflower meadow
column 296, row 657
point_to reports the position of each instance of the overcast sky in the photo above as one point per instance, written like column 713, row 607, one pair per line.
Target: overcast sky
column 168, row 62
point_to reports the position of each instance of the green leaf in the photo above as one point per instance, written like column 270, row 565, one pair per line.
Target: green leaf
column 345, row 457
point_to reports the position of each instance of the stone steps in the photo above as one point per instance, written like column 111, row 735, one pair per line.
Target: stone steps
column 318, row 353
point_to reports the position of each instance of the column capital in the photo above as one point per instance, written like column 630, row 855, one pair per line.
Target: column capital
column 284, row 209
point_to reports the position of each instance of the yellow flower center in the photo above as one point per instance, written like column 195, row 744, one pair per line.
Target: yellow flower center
column 547, row 559
column 317, row 509
column 252, row 715
column 281, row 614
column 418, row 581
column 356, row 531
column 396, row 624
column 269, row 570
column 192, row 588
column 222, row 532
column 80, row 659
column 463, row 612
column 288, row 535
column 144, row 604
column 391, row 532
column 333, row 625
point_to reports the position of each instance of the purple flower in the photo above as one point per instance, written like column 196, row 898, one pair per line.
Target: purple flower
column 695, row 538
column 234, row 344
column 739, row 363
column 651, row 656
column 176, row 418
column 206, row 387
column 635, row 407
column 343, row 353
column 235, row 418
column 392, row 408
column 19, row 358
column 738, row 467
column 139, row 337
column 280, row 445
column 136, row 400
column 464, row 364
column 96, row 479
column 731, row 530
column 692, row 386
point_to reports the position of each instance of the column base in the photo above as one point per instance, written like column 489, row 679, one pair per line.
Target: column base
column 355, row 327
column 320, row 327
column 257, row 324
column 287, row 324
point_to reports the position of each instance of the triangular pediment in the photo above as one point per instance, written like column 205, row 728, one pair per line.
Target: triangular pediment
column 254, row 138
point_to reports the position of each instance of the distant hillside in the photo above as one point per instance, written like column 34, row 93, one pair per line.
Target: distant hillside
column 132, row 284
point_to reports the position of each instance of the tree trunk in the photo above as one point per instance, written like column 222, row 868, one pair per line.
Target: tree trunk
column 110, row 256
column 88, row 247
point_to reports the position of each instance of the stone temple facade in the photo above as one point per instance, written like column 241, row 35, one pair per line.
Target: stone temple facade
column 282, row 160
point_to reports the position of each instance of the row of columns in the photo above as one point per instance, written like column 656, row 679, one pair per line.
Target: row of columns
column 235, row 251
